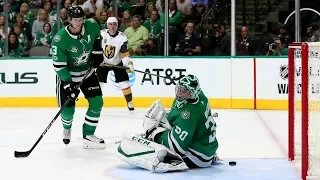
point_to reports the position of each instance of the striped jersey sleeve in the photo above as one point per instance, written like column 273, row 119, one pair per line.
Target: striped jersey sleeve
column 59, row 57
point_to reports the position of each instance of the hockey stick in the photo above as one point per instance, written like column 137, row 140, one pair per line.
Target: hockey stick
column 20, row 154
column 123, row 67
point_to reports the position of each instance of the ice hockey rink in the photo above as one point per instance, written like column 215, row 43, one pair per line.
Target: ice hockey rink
column 256, row 140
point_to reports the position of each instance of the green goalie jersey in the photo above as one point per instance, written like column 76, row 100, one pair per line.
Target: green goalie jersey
column 70, row 53
column 194, row 132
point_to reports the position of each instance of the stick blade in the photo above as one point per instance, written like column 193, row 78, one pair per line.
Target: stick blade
column 18, row 154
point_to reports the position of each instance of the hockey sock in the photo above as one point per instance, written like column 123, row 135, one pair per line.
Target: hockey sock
column 127, row 94
column 92, row 115
column 67, row 117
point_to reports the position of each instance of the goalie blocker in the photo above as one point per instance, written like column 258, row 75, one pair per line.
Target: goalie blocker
column 149, row 155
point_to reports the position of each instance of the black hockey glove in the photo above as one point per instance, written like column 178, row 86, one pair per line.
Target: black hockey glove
column 96, row 58
column 71, row 90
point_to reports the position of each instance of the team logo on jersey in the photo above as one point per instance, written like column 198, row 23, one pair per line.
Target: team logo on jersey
column 74, row 49
column 109, row 51
column 185, row 114
column 82, row 59
column 57, row 38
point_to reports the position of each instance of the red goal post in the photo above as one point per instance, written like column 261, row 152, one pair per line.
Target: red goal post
column 304, row 107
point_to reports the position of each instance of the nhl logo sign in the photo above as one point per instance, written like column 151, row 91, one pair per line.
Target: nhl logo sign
column 284, row 72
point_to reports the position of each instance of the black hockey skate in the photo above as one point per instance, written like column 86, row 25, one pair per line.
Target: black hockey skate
column 130, row 106
column 66, row 136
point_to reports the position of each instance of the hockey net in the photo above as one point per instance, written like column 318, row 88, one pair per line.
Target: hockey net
column 304, row 107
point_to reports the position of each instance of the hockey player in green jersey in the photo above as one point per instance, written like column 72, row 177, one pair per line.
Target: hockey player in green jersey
column 187, row 132
column 74, row 49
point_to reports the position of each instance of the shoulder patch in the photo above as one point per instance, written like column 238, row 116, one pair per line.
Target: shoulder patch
column 57, row 38
column 185, row 114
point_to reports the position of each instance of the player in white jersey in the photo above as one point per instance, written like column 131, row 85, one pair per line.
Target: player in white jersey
column 115, row 50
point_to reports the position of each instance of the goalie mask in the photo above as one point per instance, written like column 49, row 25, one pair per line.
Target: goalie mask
column 187, row 89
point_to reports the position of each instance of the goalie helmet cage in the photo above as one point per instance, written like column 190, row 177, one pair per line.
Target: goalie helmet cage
column 304, row 107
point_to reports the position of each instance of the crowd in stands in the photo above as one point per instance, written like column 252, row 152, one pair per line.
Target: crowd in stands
column 192, row 29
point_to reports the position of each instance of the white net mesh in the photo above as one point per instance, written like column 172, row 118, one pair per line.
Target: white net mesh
column 314, row 110
column 314, row 107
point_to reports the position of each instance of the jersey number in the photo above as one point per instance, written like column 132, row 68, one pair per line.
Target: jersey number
column 212, row 137
column 182, row 134
column 54, row 50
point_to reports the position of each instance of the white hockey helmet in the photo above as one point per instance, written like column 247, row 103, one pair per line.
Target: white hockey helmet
column 112, row 20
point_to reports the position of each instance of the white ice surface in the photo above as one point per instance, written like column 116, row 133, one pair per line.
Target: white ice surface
column 257, row 140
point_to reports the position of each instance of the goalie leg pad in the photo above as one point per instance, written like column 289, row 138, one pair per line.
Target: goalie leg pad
column 149, row 155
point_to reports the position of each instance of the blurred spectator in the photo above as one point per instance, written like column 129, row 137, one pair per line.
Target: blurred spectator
column 89, row 8
column 44, row 38
column 137, row 36
column 243, row 42
column 43, row 17
column 175, row 24
column 221, row 41
column 27, row 15
column 139, row 9
column 111, row 12
column 25, row 26
column 63, row 21
column 153, row 25
column 160, row 6
column 3, row 32
column 54, row 6
column 277, row 48
column 48, row 6
column 185, row 7
column 22, row 38
column 149, row 8
column 120, row 5
column 67, row 4
column 102, row 16
column 126, row 21
column 11, row 15
column 313, row 33
column 203, row 13
column 35, row 3
column 284, row 35
column 259, row 41
column 14, row 47
column 175, row 16
column 188, row 44
column 79, row 3
column 14, row 5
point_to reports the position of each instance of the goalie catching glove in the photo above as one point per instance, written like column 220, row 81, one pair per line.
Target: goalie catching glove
column 149, row 155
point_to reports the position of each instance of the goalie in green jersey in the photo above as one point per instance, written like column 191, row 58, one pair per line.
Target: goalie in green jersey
column 75, row 49
column 183, row 138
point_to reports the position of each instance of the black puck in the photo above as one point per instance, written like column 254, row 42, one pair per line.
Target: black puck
column 232, row 163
